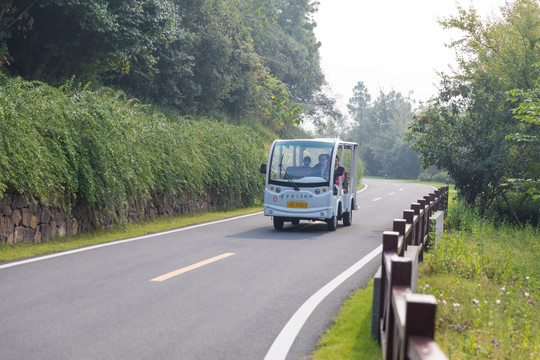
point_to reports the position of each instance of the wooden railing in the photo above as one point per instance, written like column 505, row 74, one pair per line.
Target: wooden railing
column 406, row 320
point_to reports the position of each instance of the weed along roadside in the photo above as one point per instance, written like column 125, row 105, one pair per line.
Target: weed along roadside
column 486, row 279
column 483, row 281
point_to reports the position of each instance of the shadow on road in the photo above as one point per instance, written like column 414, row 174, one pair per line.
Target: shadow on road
column 303, row 231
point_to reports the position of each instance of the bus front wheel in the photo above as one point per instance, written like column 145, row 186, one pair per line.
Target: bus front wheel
column 278, row 223
column 332, row 223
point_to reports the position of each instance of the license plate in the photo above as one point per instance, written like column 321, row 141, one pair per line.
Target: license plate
column 297, row 204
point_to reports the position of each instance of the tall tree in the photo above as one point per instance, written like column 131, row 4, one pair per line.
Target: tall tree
column 464, row 128
column 358, row 110
column 256, row 58
column 289, row 49
column 88, row 37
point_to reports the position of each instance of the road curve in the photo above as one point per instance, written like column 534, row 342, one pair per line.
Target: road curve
column 224, row 290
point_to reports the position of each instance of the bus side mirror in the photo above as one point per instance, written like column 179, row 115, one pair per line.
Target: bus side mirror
column 339, row 171
column 263, row 169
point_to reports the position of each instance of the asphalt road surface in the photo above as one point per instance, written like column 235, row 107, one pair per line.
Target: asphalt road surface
column 223, row 290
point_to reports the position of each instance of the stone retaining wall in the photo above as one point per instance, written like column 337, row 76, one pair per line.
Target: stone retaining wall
column 23, row 221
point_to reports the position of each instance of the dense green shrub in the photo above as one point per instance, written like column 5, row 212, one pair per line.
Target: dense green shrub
column 71, row 144
column 437, row 176
column 525, row 207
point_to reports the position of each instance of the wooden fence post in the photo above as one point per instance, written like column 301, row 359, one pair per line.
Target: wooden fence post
column 438, row 205
column 420, row 328
column 390, row 243
column 408, row 215
column 400, row 275
column 417, row 230
column 400, row 226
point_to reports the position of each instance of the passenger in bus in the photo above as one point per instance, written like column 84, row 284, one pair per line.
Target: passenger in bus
column 307, row 168
column 342, row 176
column 322, row 169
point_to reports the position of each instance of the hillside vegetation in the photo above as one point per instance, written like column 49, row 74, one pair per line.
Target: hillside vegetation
column 71, row 144
column 103, row 103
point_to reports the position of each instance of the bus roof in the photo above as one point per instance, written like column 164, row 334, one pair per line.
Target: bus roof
column 325, row 140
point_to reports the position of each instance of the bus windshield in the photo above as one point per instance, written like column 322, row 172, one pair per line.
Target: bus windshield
column 301, row 162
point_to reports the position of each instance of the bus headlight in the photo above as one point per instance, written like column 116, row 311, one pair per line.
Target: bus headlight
column 278, row 190
column 317, row 191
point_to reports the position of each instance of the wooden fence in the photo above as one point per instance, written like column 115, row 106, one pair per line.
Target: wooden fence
column 405, row 321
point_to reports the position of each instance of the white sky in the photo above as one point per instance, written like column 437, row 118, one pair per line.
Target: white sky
column 388, row 44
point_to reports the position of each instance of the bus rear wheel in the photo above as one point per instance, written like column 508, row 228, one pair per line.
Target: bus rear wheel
column 347, row 218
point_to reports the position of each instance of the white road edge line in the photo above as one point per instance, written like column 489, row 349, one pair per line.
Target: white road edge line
column 282, row 344
column 69, row 252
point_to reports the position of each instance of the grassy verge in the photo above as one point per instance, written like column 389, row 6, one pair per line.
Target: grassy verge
column 487, row 282
column 350, row 336
column 123, row 231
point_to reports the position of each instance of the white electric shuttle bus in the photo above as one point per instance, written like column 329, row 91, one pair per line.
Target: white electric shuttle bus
column 305, row 182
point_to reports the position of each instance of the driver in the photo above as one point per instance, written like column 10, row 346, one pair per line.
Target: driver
column 322, row 169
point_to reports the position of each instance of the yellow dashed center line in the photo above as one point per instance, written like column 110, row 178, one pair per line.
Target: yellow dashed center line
column 191, row 267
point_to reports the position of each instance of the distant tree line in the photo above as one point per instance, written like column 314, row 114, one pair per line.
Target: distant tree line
column 243, row 58
column 379, row 127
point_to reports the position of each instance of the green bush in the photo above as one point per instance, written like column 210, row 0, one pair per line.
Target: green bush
column 428, row 175
column 525, row 207
column 70, row 144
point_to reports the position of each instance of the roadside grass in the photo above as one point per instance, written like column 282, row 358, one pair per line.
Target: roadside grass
column 487, row 282
column 350, row 336
column 9, row 252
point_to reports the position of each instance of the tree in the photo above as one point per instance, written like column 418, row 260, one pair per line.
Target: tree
column 289, row 49
column 527, row 141
column 379, row 127
column 254, row 59
column 325, row 116
column 88, row 37
column 463, row 129
column 358, row 110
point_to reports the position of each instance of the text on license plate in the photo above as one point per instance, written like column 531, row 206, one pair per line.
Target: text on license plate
column 297, row 204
